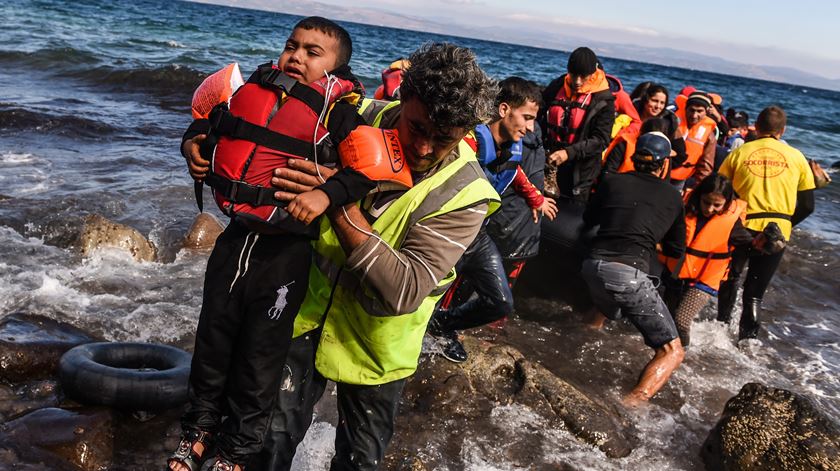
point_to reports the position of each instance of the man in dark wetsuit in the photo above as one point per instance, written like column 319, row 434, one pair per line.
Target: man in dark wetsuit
column 506, row 146
column 635, row 211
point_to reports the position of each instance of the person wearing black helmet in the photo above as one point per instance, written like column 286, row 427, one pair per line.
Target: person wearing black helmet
column 636, row 211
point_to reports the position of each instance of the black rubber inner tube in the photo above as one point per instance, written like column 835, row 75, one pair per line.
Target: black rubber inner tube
column 136, row 376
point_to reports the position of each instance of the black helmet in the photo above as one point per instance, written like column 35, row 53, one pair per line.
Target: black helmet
column 652, row 147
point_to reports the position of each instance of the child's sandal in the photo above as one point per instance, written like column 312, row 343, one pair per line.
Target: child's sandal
column 186, row 454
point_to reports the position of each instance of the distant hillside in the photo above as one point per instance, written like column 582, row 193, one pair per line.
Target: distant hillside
column 534, row 37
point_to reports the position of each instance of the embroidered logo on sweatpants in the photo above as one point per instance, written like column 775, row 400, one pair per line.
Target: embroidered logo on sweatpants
column 275, row 311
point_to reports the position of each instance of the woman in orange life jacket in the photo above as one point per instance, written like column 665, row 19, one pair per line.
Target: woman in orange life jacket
column 653, row 104
column 713, row 220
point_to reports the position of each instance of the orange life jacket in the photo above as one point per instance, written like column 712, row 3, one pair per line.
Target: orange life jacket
column 377, row 154
column 708, row 252
column 568, row 109
column 630, row 139
column 270, row 119
column 680, row 102
column 695, row 140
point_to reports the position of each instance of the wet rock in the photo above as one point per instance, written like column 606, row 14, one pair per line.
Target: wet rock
column 445, row 402
column 203, row 232
column 19, row 399
column 144, row 440
column 57, row 438
column 765, row 428
column 504, row 374
column 30, row 346
column 100, row 232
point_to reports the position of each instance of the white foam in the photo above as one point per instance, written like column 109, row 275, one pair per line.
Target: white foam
column 108, row 293
column 12, row 159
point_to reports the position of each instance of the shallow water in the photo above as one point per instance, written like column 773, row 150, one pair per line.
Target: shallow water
column 94, row 100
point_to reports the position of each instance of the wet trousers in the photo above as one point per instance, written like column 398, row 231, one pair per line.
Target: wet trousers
column 365, row 414
column 761, row 268
column 253, row 287
column 481, row 267
column 620, row 290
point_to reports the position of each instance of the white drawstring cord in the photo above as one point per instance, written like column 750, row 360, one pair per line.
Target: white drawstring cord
column 332, row 81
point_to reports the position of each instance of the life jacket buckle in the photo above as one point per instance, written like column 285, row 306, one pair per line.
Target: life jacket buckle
column 278, row 79
column 234, row 189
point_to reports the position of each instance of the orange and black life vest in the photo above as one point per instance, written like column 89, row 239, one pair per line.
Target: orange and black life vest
column 695, row 140
column 270, row 119
column 708, row 252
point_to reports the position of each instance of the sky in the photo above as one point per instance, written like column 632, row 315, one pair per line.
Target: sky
column 803, row 34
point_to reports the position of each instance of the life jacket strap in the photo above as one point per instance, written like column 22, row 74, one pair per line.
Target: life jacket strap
column 708, row 255
column 571, row 104
column 274, row 78
column 240, row 192
column 224, row 123
column 498, row 167
column 786, row 217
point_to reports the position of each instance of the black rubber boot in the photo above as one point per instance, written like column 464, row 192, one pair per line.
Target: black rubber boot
column 727, row 295
column 749, row 326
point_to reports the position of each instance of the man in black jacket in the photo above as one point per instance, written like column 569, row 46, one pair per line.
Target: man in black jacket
column 578, row 120
column 635, row 211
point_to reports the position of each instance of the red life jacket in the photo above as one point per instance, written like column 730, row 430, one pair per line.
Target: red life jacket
column 391, row 81
column 272, row 118
column 565, row 115
column 624, row 105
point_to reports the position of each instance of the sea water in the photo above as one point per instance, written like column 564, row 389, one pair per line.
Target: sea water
column 94, row 97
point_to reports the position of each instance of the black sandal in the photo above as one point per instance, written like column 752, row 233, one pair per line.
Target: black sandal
column 222, row 464
column 185, row 454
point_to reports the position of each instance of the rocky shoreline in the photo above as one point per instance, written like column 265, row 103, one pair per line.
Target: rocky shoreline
column 760, row 428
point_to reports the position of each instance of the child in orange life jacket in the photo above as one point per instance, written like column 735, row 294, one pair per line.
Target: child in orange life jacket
column 713, row 220
column 257, row 275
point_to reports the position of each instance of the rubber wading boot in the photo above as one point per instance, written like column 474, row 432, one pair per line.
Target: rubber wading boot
column 749, row 326
column 726, row 300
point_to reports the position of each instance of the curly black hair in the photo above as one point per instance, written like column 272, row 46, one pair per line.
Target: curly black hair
column 447, row 79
